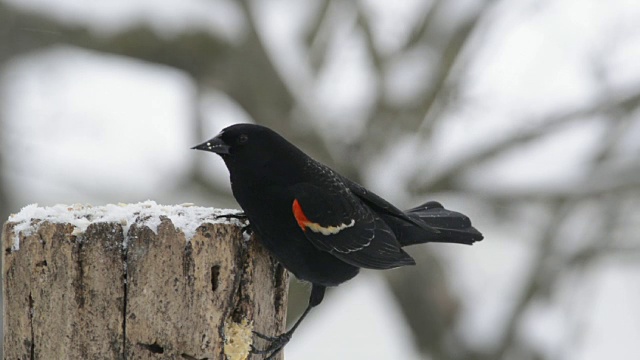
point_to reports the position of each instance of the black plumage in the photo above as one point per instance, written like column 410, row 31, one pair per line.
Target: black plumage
column 319, row 225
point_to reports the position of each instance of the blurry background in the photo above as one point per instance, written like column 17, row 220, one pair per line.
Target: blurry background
column 522, row 114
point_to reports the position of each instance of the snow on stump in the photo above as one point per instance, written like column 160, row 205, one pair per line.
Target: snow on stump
column 140, row 281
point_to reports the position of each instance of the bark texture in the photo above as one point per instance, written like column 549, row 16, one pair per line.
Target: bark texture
column 158, row 297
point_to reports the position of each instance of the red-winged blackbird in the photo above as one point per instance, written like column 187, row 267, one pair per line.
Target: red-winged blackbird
column 319, row 225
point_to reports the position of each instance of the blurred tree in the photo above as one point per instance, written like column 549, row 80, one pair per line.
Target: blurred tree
column 447, row 37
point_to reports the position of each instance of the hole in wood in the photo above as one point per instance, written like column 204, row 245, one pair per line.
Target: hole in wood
column 189, row 357
column 215, row 274
column 154, row 348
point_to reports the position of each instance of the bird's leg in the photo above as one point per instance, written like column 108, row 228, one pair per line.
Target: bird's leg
column 278, row 342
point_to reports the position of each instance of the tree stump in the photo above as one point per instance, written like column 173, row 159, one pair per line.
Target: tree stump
column 90, row 285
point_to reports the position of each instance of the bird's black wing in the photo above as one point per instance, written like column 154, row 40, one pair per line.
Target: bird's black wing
column 337, row 222
column 384, row 207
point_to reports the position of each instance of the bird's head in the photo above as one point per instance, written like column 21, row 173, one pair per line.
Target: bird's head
column 238, row 140
column 248, row 145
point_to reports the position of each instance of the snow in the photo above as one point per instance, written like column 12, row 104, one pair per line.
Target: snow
column 185, row 217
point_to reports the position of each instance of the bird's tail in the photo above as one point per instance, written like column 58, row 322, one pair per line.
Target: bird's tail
column 450, row 226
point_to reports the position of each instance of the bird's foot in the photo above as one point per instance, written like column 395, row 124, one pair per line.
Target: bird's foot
column 276, row 345
column 247, row 229
column 242, row 217
column 238, row 216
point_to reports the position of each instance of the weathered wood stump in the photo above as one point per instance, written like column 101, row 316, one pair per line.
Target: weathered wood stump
column 136, row 288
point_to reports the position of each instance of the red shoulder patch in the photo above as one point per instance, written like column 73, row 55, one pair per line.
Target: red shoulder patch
column 301, row 218
column 305, row 223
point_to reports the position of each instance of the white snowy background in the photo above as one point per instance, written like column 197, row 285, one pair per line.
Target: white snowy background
column 80, row 126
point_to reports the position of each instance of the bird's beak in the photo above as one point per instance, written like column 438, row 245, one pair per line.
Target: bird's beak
column 215, row 145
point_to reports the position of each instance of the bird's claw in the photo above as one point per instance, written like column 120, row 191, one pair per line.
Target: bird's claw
column 238, row 216
column 242, row 217
column 247, row 229
column 277, row 343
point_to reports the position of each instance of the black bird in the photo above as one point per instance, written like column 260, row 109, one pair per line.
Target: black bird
column 319, row 225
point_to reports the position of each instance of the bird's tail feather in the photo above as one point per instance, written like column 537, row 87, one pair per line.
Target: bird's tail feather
column 451, row 226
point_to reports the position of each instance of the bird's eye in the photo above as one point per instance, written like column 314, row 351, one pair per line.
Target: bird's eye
column 242, row 139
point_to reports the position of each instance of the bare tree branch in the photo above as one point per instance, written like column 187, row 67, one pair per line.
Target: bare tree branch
column 316, row 43
column 550, row 124
column 615, row 183
column 539, row 273
column 194, row 52
column 449, row 57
